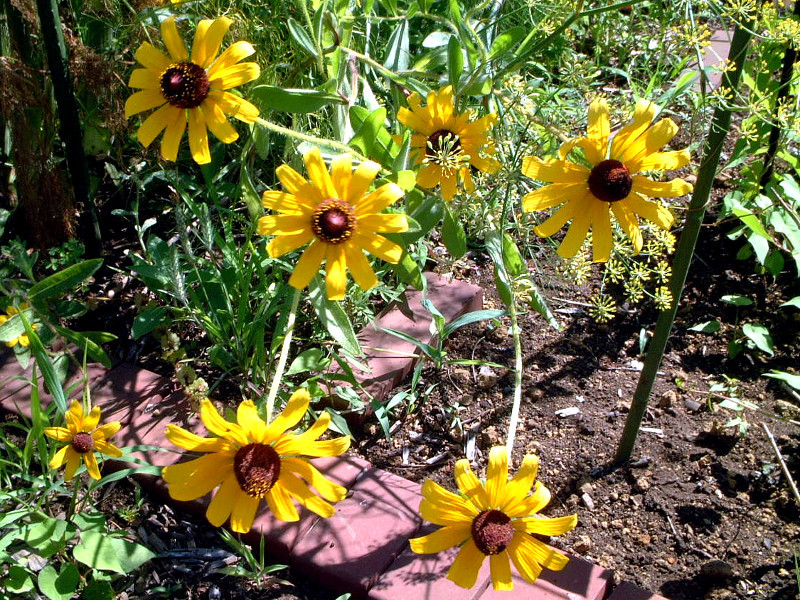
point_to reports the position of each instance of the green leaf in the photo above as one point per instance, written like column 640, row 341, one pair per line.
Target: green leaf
column 453, row 236
column 108, row 553
column 334, row 318
column 313, row 359
column 455, row 61
column 58, row 586
column 759, row 335
column 706, row 327
column 505, row 41
column 794, row 302
column 98, row 590
column 471, row 317
column 751, row 221
column 301, row 37
column 86, row 520
column 147, row 320
column 47, row 536
column 494, row 246
column 13, row 327
column 294, row 100
column 789, row 378
column 85, row 343
column 736, row 300
column 18, row 580
column 51, row 378
column 408, row 271
column 397, row 52
column 64, row 280
column 370, row 135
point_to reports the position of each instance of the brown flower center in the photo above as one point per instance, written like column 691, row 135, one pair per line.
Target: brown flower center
column 185, row 84
column 83, row 442
column 333, row 221
column 443, row 142
column 610, row 181
column 492, row 531
column 257, row 467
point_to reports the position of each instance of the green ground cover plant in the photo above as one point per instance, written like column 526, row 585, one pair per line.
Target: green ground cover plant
column 288, row 169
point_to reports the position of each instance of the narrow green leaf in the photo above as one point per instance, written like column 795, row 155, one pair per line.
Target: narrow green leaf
column 455, row 61
column 334, row 318
column 44, row 363
column 505, row 41
column 64, row 280
column 789, row 378
column 294, row 100
column 301, row 37
column 471, row 317
column 453, row 235
column 94, row 351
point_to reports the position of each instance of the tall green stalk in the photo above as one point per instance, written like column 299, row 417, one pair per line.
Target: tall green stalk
column 688, row 240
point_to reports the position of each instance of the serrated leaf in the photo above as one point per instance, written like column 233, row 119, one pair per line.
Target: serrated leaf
column 107, row 553
column 759, row 335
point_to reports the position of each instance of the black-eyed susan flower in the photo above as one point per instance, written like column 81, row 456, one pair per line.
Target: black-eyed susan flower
column 83, row 438
column 612, row 185
column 497, row 519
column 191, row 89
column 446, row 144
column 21, row 340
column 251, row 461
column 335, row 213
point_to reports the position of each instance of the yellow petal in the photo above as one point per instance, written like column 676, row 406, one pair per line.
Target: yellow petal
column 290, row 416
column 219, row 426
column 198, row 137
column 173, row 135
column 59, row 434
column 523, row 558
column 449, row 183
column 576, row 234
column 60, row 457
column 384, row 223
column 553, row 526
column 74, row 416
column 244, row 513
column 294, row 183
column 155, row 124
column 289, row 444
column 152, row 58
column 496, row 477
column 194, row 443
column 602, row 237
column 359, row 267
column 207, row 40
column 557, row 171
column 146, row 79
column 336, row 272
column 470, row 486
column 281, row 505
column 196, row 478
column 280, row 201
column 218, row 123
column 106, row 431
column 73, row 463
column 379, row 199
column 236, row 75
column 92, row 467
column 341, row 173
column 298, row 490
column 231, row 56
column 661, row 189
column 293, row 224
column 248, row 419
column 318, row 173
column 324, row 487
column 308, row 265
column 501, row 572
column 520, row 485
column 360, row 182
column 663, row 161
column 627, row 136
column 287, row 243
column 413, row 120
column 629, row 223
column 441, row 539
column 442, row 507
column 552, row 195
column 379, row 246
column 232, row 105
column 655, row 138
column 531, row 551
column 534, row 503
column 566, row 213
column 465, row 568
column 173, row 41
column 648, row 210
column 224, row 500
column 598, row 131
column 107, row 449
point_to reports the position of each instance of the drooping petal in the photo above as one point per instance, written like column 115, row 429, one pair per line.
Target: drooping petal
column 280, row 503
column 107, row 449
column 155, row 124
column 523, row 559
column 359, row 267
column 173, row 41
column 649, row 210
column 90, row 460
column 60, row 457
column 244, row 513
column 501, row 572
column 324, row 487
column 629, row 223
column 224, row 500
column 218, row 123
column 73, row 463
column 602, row 236
column 379, row 246
column 308, row 265
column 198, row 137
column 530, row 549
column 576, row 234
column 465, row 568
column 171, row 142
column 441, row 539
column 559, row 218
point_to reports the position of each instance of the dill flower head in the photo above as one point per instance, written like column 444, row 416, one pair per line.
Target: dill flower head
column 446, row 144
column 497, row 519
column 612, row 185
column 191, row 89
column 83, row 438
column 603, row 308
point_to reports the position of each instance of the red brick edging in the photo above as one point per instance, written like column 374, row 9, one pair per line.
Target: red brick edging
column 363, row 548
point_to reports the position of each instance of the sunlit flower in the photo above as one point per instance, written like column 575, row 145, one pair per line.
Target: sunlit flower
column 495, row 519
column 191, row 89
column 251, row 461
column 602, row 308
column 22, row 340
column 663, row 298
column 590, row 195
column 84, row 438
column 335, row 213
column 446, row 143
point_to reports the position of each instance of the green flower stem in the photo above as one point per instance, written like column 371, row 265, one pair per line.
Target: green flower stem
column 309, row 138
column 683, row 255
column 374, row 64
column 287, row 341
column 512, row 425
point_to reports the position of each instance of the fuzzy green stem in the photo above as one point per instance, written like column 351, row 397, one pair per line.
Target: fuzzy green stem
column 685, row 250
column 287, row 341
column 512, row 425
column 309, row 138
column 374, row 64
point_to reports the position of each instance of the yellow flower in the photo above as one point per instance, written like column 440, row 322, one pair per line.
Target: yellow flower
column 611, row 185
column 334, row 212
column 22, row 340
column 83, row 438
column 446, row 144
column 192, row 89
column 251, row 461
column 494, row 520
